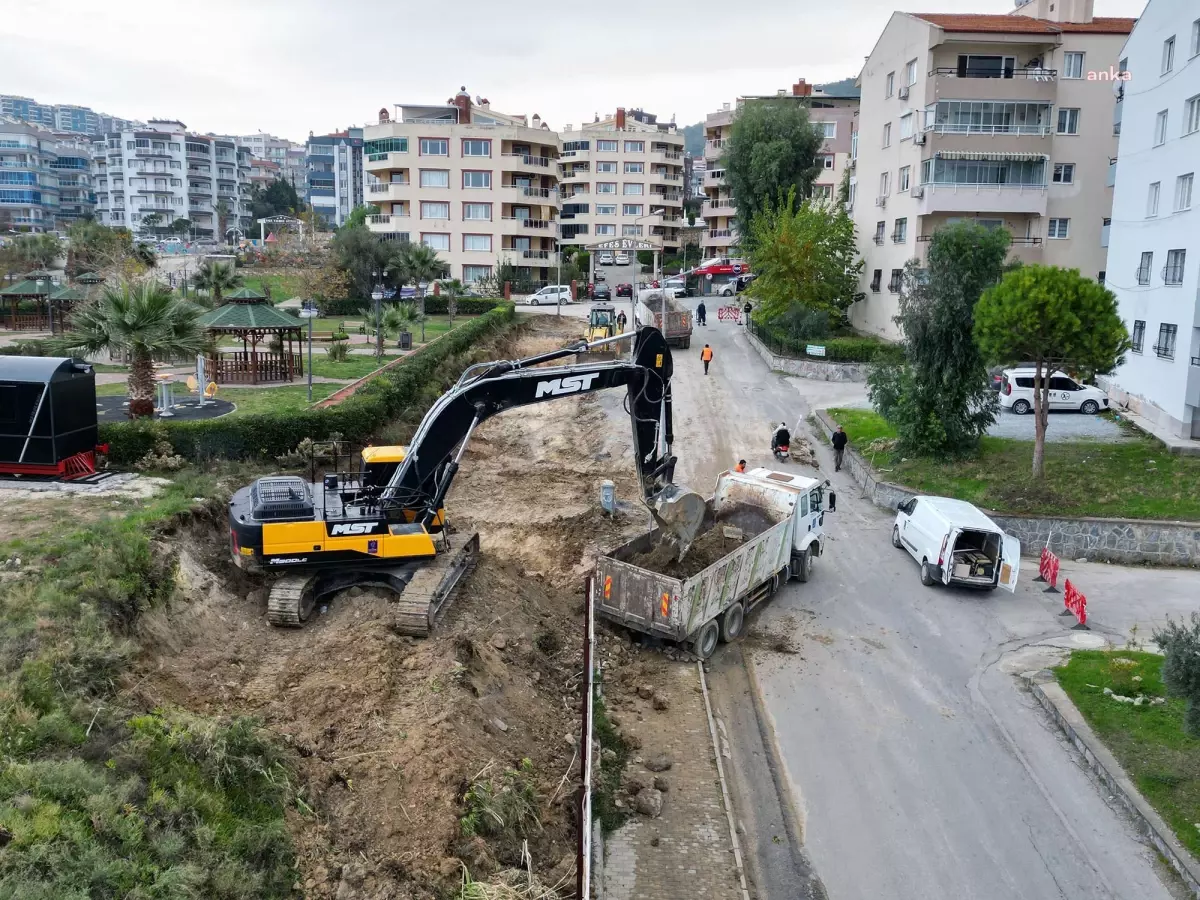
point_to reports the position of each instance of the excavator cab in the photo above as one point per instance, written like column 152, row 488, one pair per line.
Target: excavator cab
column 379, row 464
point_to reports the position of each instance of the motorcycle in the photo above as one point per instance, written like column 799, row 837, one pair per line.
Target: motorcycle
column 781, row 452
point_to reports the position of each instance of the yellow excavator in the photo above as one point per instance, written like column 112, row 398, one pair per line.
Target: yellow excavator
column 385, row 523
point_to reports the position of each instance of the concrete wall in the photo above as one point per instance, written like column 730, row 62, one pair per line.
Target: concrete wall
column 810, row 368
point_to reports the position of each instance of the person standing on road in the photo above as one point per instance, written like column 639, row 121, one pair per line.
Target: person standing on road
column 701, row 313
column 706, row 356
column 621, row 320
column 839, row 441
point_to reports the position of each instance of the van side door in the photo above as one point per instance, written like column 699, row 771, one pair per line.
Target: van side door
column 1010, row 563
column 911, row 535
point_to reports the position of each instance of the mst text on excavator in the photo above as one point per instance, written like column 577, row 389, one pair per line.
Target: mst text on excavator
column 385, row 524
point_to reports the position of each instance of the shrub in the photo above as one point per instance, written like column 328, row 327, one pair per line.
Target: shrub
column 338, row 350
column 857, row 348
column 503, row 808
column 1180, row 644
column 466, row 306
column 339, row 336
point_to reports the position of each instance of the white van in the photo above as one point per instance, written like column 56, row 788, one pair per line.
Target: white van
column 1064, row 393
column 955, row 543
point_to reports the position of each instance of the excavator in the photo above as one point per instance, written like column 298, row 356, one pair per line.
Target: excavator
column 385, row 525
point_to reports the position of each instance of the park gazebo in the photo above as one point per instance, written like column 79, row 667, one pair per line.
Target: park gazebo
column 249, row 317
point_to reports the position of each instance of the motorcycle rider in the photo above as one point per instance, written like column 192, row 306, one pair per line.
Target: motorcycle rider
column 781, row 438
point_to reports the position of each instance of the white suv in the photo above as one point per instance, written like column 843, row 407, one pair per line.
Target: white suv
column 605, row 259
column 550, row 295
column 1064, row 393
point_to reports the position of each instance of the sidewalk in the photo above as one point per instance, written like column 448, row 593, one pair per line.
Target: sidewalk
column 686, row 852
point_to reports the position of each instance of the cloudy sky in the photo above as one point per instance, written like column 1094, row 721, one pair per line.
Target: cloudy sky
column 293, row 66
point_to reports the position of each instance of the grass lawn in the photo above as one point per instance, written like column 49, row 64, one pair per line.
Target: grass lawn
column 1086, row 478
column 282, row 287
column 353, row 367
column 1148, row 741
column 252, row 401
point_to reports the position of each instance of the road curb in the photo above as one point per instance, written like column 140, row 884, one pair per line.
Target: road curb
column 712, row 733
column 1067, row 716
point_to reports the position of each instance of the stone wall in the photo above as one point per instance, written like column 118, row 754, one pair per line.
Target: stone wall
column 809, row 368
column 1124, row 541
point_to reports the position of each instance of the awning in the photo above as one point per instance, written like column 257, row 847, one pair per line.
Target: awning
column 990, row 156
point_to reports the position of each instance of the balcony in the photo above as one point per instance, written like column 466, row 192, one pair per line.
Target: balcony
column 525, row 223
column 662, row 153
column 379, row 162
column 1104, row 231
column 377, row 188
column 714, row 149
column 1192, row 391
column 580, row 172
column 1112, row 172
column 721, row 233
column 535, row 254
column 982, row 198
column 720, row 207
column 379, row 219
column 528, row 161
column 950, row 82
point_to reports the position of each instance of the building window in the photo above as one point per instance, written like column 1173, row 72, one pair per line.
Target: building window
column 910, row 72
column 880, row 227
column 822, row 192
column 885, row 183
column 606, row 187
column 876, row 280
column 1064, row 173
column 887, row 134
column 478, row 242
column 634, row 168
column 1072, row 65
column 896, row 280
column 1183, row 192
column 386, row 145
column 1173, row 270
column 1145, row 267
column 431, row 210
column 890, row 84
column 1100, row 277
column 606, row 167
column 906, row 126
column 828, row 129
column 1152, row 199
column 606, row 229
column 435, row 178
column 1168, row 55
column 900, row 233
column 905, row 175
column 472, row 274
column 1059, row 228
column 632, row 189
column 435, row 147
column 1139, row 335
column 477, row 180
column 475, row 147
column 825, row 160
column 635, row 146
column 1191, row 115
column 477, row 212
column 436, row 240
column 1160, row 128
column 606, row 146
column 631, row 230
column 605, row 209
column 1165, row 348
column 1196, row 38
column 1068, row 121
column 631, row 209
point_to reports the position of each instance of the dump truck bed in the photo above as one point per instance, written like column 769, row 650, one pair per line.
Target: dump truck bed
column 678, row 326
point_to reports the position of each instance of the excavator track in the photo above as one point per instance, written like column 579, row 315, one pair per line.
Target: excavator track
column 431, row 589
column 291, row 600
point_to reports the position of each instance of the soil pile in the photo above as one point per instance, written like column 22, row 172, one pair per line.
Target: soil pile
column 708, row 548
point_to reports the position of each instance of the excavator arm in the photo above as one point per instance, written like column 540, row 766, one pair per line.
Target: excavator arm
column 421, row 482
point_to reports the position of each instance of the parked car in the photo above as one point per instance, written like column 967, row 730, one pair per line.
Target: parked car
column 1064, row 393
column 622, row 259
column 955, row 543
column 600, row 276
column 678, row 285
column 601, row 292
column 550, row 295
column 605, row 259
column 624, row 290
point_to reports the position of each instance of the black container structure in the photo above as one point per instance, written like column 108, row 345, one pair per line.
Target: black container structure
column 47, row 417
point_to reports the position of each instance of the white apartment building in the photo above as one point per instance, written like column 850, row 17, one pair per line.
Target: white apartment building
column 165, row 170
column 1154, row 251
column 477, row 185
column 287, row 156
column 1002, row 120
column 622, row 176
column 833, row 113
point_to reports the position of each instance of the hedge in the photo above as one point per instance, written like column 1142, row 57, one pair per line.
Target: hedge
column 358, row 418
column 852, row 348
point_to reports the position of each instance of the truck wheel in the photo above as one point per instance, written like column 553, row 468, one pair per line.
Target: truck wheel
column 706, row 641
column 927, row 574
column 802, row 565
column 733, row 623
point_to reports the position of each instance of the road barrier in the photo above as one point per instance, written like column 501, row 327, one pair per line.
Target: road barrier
column 1048, row 569
column 730, row 314
column 1075, row 603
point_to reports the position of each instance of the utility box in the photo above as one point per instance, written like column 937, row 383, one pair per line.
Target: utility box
column 48, row 423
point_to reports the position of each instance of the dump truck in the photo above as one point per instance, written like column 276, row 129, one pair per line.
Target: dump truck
column 761, row 528
column 678, row 325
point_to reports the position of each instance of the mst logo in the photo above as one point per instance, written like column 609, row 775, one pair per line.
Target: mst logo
column 572, row 384
column 344, row 529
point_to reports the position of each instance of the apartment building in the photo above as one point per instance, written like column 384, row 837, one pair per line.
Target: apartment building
column 28, row 184
column 165, row 171
column 288, row 158
column 696, row 181
column 622, row 176
column 477, row 185
column 1154, row 250
column 833, row 112
column 1002, row 120
column 334, row 166
column 73, row 168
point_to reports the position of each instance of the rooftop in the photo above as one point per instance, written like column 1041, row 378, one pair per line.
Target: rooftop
column 1018, row 24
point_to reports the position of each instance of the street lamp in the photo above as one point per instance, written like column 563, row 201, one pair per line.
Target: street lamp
column 377, row 296
column 309, row 311
column 421, row 288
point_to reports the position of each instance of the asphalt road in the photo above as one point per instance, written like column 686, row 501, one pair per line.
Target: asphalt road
column 919, row 767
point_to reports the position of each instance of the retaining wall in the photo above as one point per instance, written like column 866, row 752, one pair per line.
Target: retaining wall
column 1123, row 541
column 809, row 368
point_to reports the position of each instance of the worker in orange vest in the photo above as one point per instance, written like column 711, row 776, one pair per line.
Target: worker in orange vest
column 706, row 357
column 741, row 466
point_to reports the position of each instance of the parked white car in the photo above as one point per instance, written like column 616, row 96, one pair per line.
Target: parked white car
column 621, row 259
column 955, row 543
column 605, row 258
column 550, row 295
column 1064, row 394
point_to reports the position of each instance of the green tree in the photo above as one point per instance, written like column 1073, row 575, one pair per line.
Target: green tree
column 938, row 399
column 222, row 210
column 419, row 265
column 1180, row 644
column 181, row 227
column 278, row 198
column 395, row 318
column 803, row 254
column 452, row 290
column 37, row 251
column 1058, row 319
column 772, row 150
column 364, row 256
column 357, row 217
column 324, row 284
column 152, row 222
column 217, row 279
column 142, row 321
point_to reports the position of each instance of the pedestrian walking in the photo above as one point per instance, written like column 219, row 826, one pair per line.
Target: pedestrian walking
column 839, row 441
column 621, row 320
column 706, row 356
column 701, row 314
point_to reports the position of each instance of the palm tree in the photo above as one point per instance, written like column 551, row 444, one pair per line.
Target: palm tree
column 222, row 211
column 418, row 264
column 216, row 278
column 142, row 321
column 453, row 289
column 396, row 317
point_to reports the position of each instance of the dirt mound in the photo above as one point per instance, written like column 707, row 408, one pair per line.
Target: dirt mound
column 708, row 548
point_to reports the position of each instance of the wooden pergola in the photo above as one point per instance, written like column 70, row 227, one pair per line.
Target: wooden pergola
column 19, row 295
column 248, row 316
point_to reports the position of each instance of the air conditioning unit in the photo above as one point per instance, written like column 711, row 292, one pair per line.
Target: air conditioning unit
column 881, row 201
column 918, row 191
column 919, row 137
column 902, row 93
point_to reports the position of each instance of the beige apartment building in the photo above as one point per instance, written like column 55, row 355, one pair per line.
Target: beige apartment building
column 1004, row 120
column 833, row 113
column 477, row 185
column 622, row 176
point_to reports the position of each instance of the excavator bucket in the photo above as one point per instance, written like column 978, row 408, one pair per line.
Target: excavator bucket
column 680, row 514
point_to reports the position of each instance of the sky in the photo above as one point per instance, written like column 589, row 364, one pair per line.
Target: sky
column 288, row 67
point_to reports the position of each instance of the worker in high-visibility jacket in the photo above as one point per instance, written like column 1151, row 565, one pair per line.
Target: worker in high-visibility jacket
column 706, row 356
